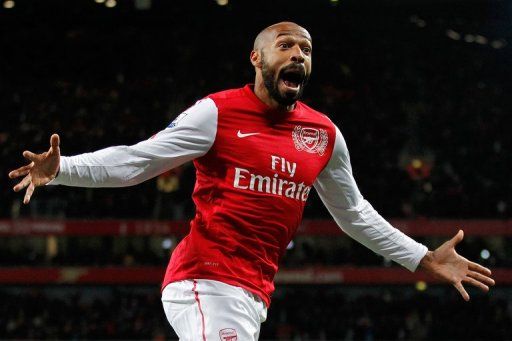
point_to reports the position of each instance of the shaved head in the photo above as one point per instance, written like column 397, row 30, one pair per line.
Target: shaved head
column 269, row 34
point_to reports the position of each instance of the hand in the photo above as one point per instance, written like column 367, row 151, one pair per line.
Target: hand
column 41, row 170
column 447, row 265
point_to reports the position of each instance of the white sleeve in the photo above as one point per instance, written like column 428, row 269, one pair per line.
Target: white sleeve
column 338, row 190
column 188, row 137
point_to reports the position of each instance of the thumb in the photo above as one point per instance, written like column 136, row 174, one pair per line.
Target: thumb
column 55, row 141
column 457, row 238
column 54, row 145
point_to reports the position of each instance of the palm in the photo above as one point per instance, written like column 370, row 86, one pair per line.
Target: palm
column 454, row 267
column 42, row 169
column 447, row 265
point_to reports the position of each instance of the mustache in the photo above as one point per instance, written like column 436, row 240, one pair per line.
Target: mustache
column 296, row 68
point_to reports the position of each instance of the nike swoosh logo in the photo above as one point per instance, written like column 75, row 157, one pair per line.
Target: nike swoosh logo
column 242, row 135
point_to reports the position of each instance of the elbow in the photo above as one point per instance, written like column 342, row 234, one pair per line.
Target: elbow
column 137, row 176
column 132, row 182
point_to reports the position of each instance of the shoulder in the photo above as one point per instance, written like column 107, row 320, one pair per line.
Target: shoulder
column 203, row 110
column 307, row 110
column 232, row 102
column 208, row 107
column 312, row 114
column 227, row 95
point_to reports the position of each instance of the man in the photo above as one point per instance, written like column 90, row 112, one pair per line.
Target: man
column 258, row 151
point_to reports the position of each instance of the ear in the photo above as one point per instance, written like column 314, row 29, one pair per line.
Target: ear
column 255, row 59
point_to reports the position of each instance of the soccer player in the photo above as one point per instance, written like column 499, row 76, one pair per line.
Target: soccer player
column 258, row 151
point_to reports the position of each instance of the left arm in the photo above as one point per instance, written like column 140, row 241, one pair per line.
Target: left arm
column 338, row 190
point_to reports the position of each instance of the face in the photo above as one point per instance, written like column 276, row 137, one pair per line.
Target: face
column 286, row 65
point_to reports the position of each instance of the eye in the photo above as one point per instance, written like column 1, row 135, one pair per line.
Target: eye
column 284, row 45
column 306, row 50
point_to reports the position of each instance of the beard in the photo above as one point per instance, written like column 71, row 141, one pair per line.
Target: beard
column 271, row 82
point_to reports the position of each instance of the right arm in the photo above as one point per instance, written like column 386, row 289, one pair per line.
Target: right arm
column 190, row 136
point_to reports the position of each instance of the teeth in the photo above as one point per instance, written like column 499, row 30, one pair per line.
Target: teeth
column 291, row 84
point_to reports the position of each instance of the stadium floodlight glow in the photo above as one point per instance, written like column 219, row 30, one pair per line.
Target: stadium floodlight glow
column 453, row 35
column 418, row 21
column 9, row 4
column 111, row 3
column 222, row 2
column 498, row 44
column 421, row 23
column 469, row 38
column 485, row 254
column 99, row 1
column 480, row 40
column 167, row 243
column 421, row 286
column 416, row 163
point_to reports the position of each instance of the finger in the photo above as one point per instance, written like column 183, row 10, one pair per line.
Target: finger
column 28, row 193
column 462, row 291
column 30, row 156
column 54, row 143
column 482, row 278
column 54, row 140
column 21, row 171
column 476, row 283
column 479, row 268
column 23, row 183
column 457, row 238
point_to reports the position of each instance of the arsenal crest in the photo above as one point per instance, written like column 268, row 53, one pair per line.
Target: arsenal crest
column 228, row 334
column 311, row 140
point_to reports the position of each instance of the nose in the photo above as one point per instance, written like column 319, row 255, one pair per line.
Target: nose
column 297, row 56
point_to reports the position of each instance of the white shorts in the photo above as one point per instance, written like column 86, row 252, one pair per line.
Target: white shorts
column 206, row 310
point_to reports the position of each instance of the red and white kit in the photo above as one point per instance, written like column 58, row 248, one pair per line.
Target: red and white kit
column 255, row 169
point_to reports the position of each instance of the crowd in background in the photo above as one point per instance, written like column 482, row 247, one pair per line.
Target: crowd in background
column 296, row 313
column 400, row 93
column 36, row 315
column 101, row 251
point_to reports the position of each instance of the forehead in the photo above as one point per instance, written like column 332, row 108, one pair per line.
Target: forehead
column 301, row 34
column 296, row 33
column 277, row 31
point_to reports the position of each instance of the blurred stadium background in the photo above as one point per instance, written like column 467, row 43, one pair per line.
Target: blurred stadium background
column 420, row 89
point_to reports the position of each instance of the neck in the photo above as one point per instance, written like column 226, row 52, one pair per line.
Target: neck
column 262, row 93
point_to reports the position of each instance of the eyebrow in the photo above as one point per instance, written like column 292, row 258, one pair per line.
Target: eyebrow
column 290, row 33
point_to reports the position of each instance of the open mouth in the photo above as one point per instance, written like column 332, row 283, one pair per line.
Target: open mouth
column 292, row 77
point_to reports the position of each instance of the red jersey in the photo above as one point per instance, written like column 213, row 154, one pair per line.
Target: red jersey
column 250, row 192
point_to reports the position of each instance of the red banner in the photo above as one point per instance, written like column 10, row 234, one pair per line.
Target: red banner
column 92, row 227
column 421, row 227
column 154, row 275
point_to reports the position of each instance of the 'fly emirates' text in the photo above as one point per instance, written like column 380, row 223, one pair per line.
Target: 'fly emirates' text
column 244, row 179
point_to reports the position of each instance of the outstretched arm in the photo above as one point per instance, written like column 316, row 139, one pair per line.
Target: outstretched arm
column 338, row 190
column 190, row 136
column 447, row 265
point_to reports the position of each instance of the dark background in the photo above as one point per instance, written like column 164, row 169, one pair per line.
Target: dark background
column 386, row 73
column 420, row 90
